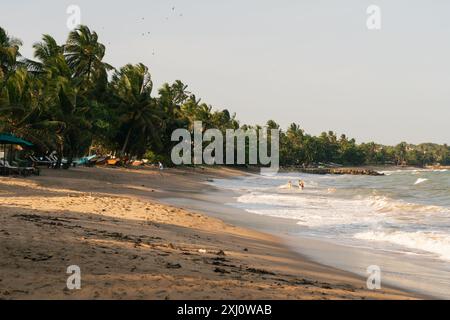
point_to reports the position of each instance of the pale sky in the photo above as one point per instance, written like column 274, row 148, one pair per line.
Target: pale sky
column 313, row 62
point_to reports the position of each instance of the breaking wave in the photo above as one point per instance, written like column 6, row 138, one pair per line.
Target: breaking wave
column 432, row 242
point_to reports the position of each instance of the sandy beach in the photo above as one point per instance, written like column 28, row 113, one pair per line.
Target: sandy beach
column 129, row 245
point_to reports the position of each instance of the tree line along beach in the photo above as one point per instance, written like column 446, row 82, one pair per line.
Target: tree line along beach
column 86, row 169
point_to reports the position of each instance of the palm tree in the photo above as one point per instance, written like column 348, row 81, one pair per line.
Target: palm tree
column 132, row 86
column 64, row 111
column 50, row 59
column 294, row 132
column 9, row 53
column 71, row 112
column 84, row 55
column 26, row 111
column 18, row 92
column 400, row 152
column 188, row 110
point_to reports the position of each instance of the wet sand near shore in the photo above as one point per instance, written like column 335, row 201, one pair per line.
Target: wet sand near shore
column 130, row 245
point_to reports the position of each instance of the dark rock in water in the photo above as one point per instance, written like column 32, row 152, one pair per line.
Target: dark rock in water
column 352, row 171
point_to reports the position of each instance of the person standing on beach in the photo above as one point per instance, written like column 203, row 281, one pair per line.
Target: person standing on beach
column 161, row 167
column 301, row 184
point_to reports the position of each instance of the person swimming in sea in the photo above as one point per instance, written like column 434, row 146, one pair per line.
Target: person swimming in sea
column 289, row 184
column 301, row 184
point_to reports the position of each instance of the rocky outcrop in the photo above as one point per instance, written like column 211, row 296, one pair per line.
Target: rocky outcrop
column 353, row 171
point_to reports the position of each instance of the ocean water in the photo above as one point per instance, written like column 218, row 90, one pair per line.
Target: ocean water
column 405, row 212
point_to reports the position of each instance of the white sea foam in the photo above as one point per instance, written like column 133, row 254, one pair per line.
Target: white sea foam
column 420, row 180
column 385, row 204
column 316, row 210
column 309, row 210
column 389, row 172
column 363, row 209
column 435, row 243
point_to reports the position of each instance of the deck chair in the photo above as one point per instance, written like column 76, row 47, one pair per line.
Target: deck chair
column 25, row 171
column 53, row 159
column 8, row 168
column 44, row 162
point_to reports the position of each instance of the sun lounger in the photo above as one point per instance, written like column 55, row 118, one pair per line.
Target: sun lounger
column 7, row 169
column 6, row 164
column 101, row 160
column 26, row 169
column 4, row 171
column 19, row 170
column 50, row 161
column 36, row 161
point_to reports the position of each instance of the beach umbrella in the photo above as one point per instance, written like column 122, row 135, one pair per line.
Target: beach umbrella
column 7, row 138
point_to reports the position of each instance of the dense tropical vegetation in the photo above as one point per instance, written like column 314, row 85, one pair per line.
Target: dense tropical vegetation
column 68, row 99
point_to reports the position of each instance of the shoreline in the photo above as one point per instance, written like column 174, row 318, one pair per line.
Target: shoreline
column 132, row 246
column 410, row 273
column 317, row 250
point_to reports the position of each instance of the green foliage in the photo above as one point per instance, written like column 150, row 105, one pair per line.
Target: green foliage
column 153, row 157
column 70, row 100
